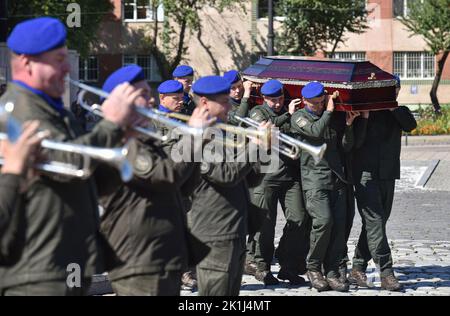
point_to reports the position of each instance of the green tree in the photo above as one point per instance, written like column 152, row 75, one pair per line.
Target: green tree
column 181, row 18
column 310, row 25
column 431, row 20
column 78, row 38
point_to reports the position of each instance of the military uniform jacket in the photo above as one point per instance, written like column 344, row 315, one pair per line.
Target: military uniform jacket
column 316, row 130
column 188, row 107
column 221, row 199
column 288, row 169
column 61, row 214
column 145, row 220
column 237, row 109
column 378, row 155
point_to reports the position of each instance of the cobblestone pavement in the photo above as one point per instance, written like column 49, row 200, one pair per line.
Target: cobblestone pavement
column 418, row 230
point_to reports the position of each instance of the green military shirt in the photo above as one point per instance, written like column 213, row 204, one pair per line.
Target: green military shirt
column 316, row 130
column 145, row 220
column 61, row 213
column 237, row 109
column 378, row 154
column 288, row 169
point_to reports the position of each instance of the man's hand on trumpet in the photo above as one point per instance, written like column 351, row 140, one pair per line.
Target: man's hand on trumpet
column 17, row 156
column 118, row 107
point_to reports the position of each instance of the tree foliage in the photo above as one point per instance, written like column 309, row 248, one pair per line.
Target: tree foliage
column 310, row 25
column 431, row 20
column 79, row 38
column 182, row 17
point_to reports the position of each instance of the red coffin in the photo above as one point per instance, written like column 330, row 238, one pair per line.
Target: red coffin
column 361, row 84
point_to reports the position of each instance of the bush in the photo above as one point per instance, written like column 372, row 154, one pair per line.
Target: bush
column 428, row 123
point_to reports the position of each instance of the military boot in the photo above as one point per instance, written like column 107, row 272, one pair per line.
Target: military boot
column 391, row 283
column 250, row 268
column 266, row 277
column 189, row 281
column 317, row 281
column 360, row 278
column 343, row 275
column 337, row 285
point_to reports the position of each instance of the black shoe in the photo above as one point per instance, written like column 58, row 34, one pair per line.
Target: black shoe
column 250, row 268
column 318, row 281
column 360, row 278
column 293, row 278
column 337, row 285
column 391, row 283
column 266, row 277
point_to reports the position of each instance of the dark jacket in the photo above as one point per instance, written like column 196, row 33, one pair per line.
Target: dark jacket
column 237, row 109
column 378, row 152
column 288, row 169
column 315, row 130
column 145, row 220
column 61, row 214
column 221, row 200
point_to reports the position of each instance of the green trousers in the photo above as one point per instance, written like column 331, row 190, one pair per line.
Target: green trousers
column 220, row 273
column 49, row 288
column 374, row 199
column 327, row 209
column 348, row 222
column 293, row 245
column 166, row 283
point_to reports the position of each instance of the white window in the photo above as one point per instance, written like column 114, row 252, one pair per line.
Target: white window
column 147, row 62
column 414, row 65
column 88, row 69
column 401, row 8
column 142, row 10
column 358, row 56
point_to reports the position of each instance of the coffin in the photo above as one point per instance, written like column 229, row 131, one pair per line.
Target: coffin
column 361, row 84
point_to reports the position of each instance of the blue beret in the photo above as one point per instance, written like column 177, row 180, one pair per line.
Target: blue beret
column 211, row 85
column 36, row 36
column 183, row 71
column 232, row 76
column 170, row 86
column 131, row 74
column 313, row 89
column 272, row 88
column 398, row 82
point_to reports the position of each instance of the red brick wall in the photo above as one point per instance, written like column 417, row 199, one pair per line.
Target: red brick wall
column 108, row 64
column 384, row 60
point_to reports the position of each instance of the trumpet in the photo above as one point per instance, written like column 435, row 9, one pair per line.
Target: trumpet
column 121, row 158
column 144, row 112
column 264, row 135
column 289, row 146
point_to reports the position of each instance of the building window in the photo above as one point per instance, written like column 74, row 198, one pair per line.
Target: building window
column 401, row 7
column 88, row 69
column 263, row 8
column 358, row 56
column 414, row 65
column 147, row 62
column 141, row 10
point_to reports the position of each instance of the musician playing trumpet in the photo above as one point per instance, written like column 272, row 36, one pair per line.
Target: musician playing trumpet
column 59, row 214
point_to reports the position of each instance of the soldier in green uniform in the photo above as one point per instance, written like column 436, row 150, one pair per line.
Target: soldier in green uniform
column 220, row 203
column 185, row 75
column 282, row 185
column 376, row 167
column 60, row 214
column 324, row 184
column 239, row 95
column 144, row 220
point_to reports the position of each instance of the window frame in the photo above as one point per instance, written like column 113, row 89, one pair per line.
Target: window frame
column 353, row 56
column 85, row 64
column 152, row 71
column 405, row 70
column 135, row 19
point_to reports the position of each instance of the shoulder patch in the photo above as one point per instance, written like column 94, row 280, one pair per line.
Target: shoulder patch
column 301, row 122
